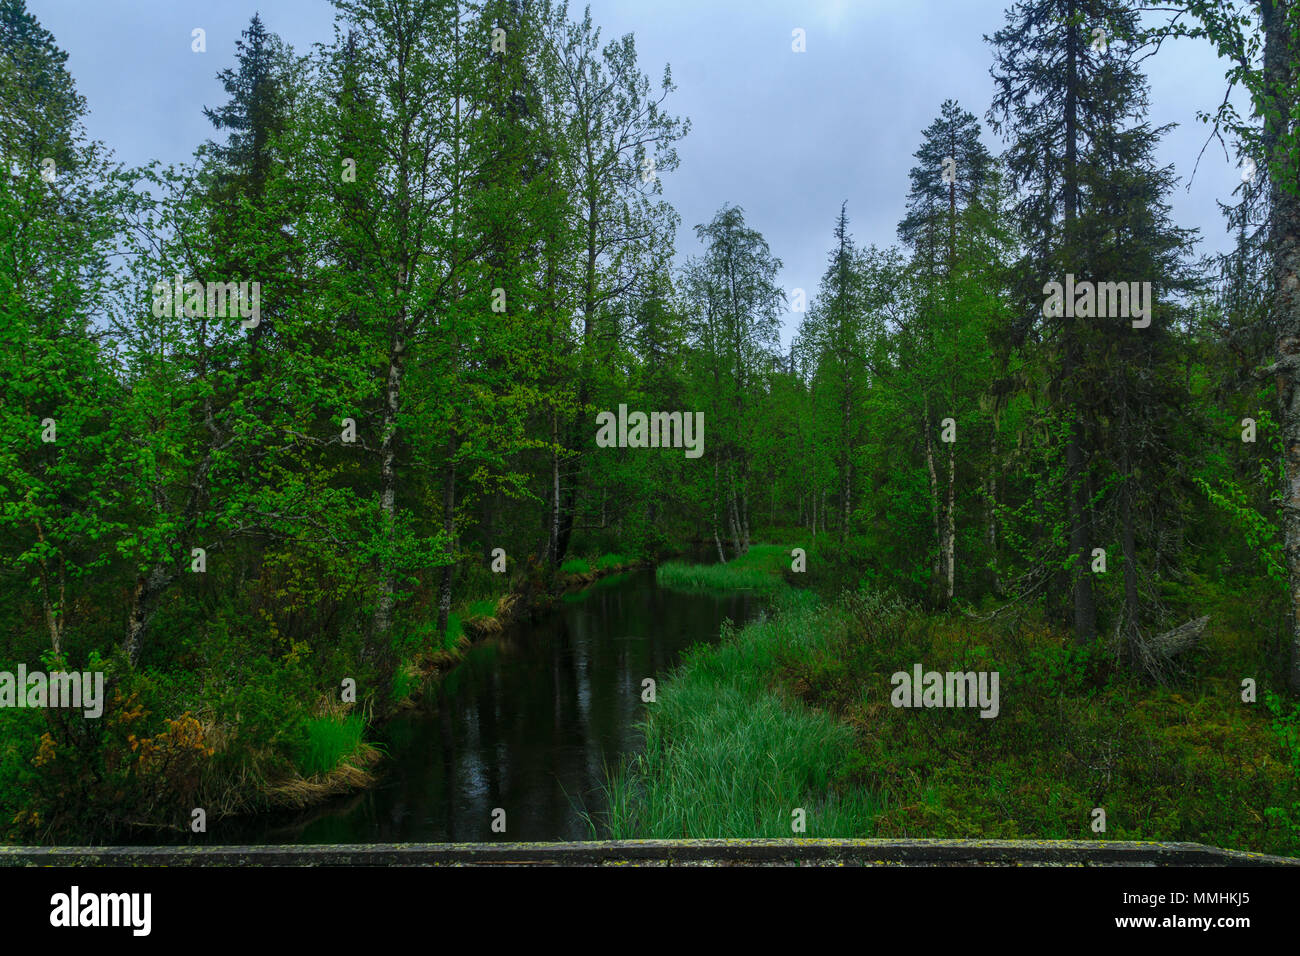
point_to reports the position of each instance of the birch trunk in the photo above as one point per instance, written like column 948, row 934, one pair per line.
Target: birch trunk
column 936, row 568
column 449, row 529
column 383, row 616
column 991, row 514
column 950, row 530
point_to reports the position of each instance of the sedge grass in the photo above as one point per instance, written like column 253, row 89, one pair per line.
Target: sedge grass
column 758, row 569
column 726, row 755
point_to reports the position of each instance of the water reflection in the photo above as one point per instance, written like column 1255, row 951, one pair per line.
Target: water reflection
column 527, row 723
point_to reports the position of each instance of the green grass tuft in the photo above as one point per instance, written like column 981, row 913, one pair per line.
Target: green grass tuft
column 759, row 569
column 484, row 608
column 455, row 631
column 726, row 756
column 329, row 741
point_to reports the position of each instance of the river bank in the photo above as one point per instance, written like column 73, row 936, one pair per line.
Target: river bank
column 416, row 678
column 356, row 763
column 786, row 728
column 478, row 620
column 526, row 723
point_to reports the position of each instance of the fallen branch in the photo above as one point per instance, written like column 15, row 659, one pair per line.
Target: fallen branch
column 1156, row 654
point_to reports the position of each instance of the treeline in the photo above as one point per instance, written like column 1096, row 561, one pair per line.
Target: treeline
column 272, row 416
column 1040, row 394
column 267, row 414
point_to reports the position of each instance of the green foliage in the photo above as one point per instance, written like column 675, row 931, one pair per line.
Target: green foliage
column 483, row 608
column 130, row 767
column 404, row 684
column 604, row 562
column 1259, row 531
column 1285, row 725
column 436, row 335
column 1067, row 669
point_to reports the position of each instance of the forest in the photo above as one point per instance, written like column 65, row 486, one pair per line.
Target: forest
column 286, row 427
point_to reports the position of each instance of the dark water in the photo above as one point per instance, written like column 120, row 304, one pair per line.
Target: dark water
column 528, row 723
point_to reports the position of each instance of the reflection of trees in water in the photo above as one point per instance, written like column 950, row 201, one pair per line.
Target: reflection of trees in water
column 531, row 721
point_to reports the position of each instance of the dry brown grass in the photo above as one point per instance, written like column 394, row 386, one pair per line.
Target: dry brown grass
column 353, row 773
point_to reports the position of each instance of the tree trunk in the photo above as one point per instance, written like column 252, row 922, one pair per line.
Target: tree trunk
column 722, row 558
column 991, row 514
column 950, row 531
column 54, row 609
column 1085, row 608
column 1280, row 78
column 383, row 617
column 553, row 545
column 144, row 604
column 1130, row 562
column 733, row 522
column 733, row 512
column 449, row 529
column 814, row 514
column 568, row 507
column 845, row 467
column 847, row 492
column 744, row 513
column 148, row 590
column 937, row 566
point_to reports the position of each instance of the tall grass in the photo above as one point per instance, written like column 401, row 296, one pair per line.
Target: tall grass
column 405, row 681
column 484, row 608
column 727, row 756
column 455, row 631
column 603, row 563
column 759, row 569
column 423, row 634
column 330, row 740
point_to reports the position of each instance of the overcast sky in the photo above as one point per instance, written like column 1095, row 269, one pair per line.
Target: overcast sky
column 788, row 136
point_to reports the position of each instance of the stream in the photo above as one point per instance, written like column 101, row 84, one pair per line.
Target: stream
column 529, row 722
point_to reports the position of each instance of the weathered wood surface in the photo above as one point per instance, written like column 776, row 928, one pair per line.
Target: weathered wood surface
column 662, row 853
